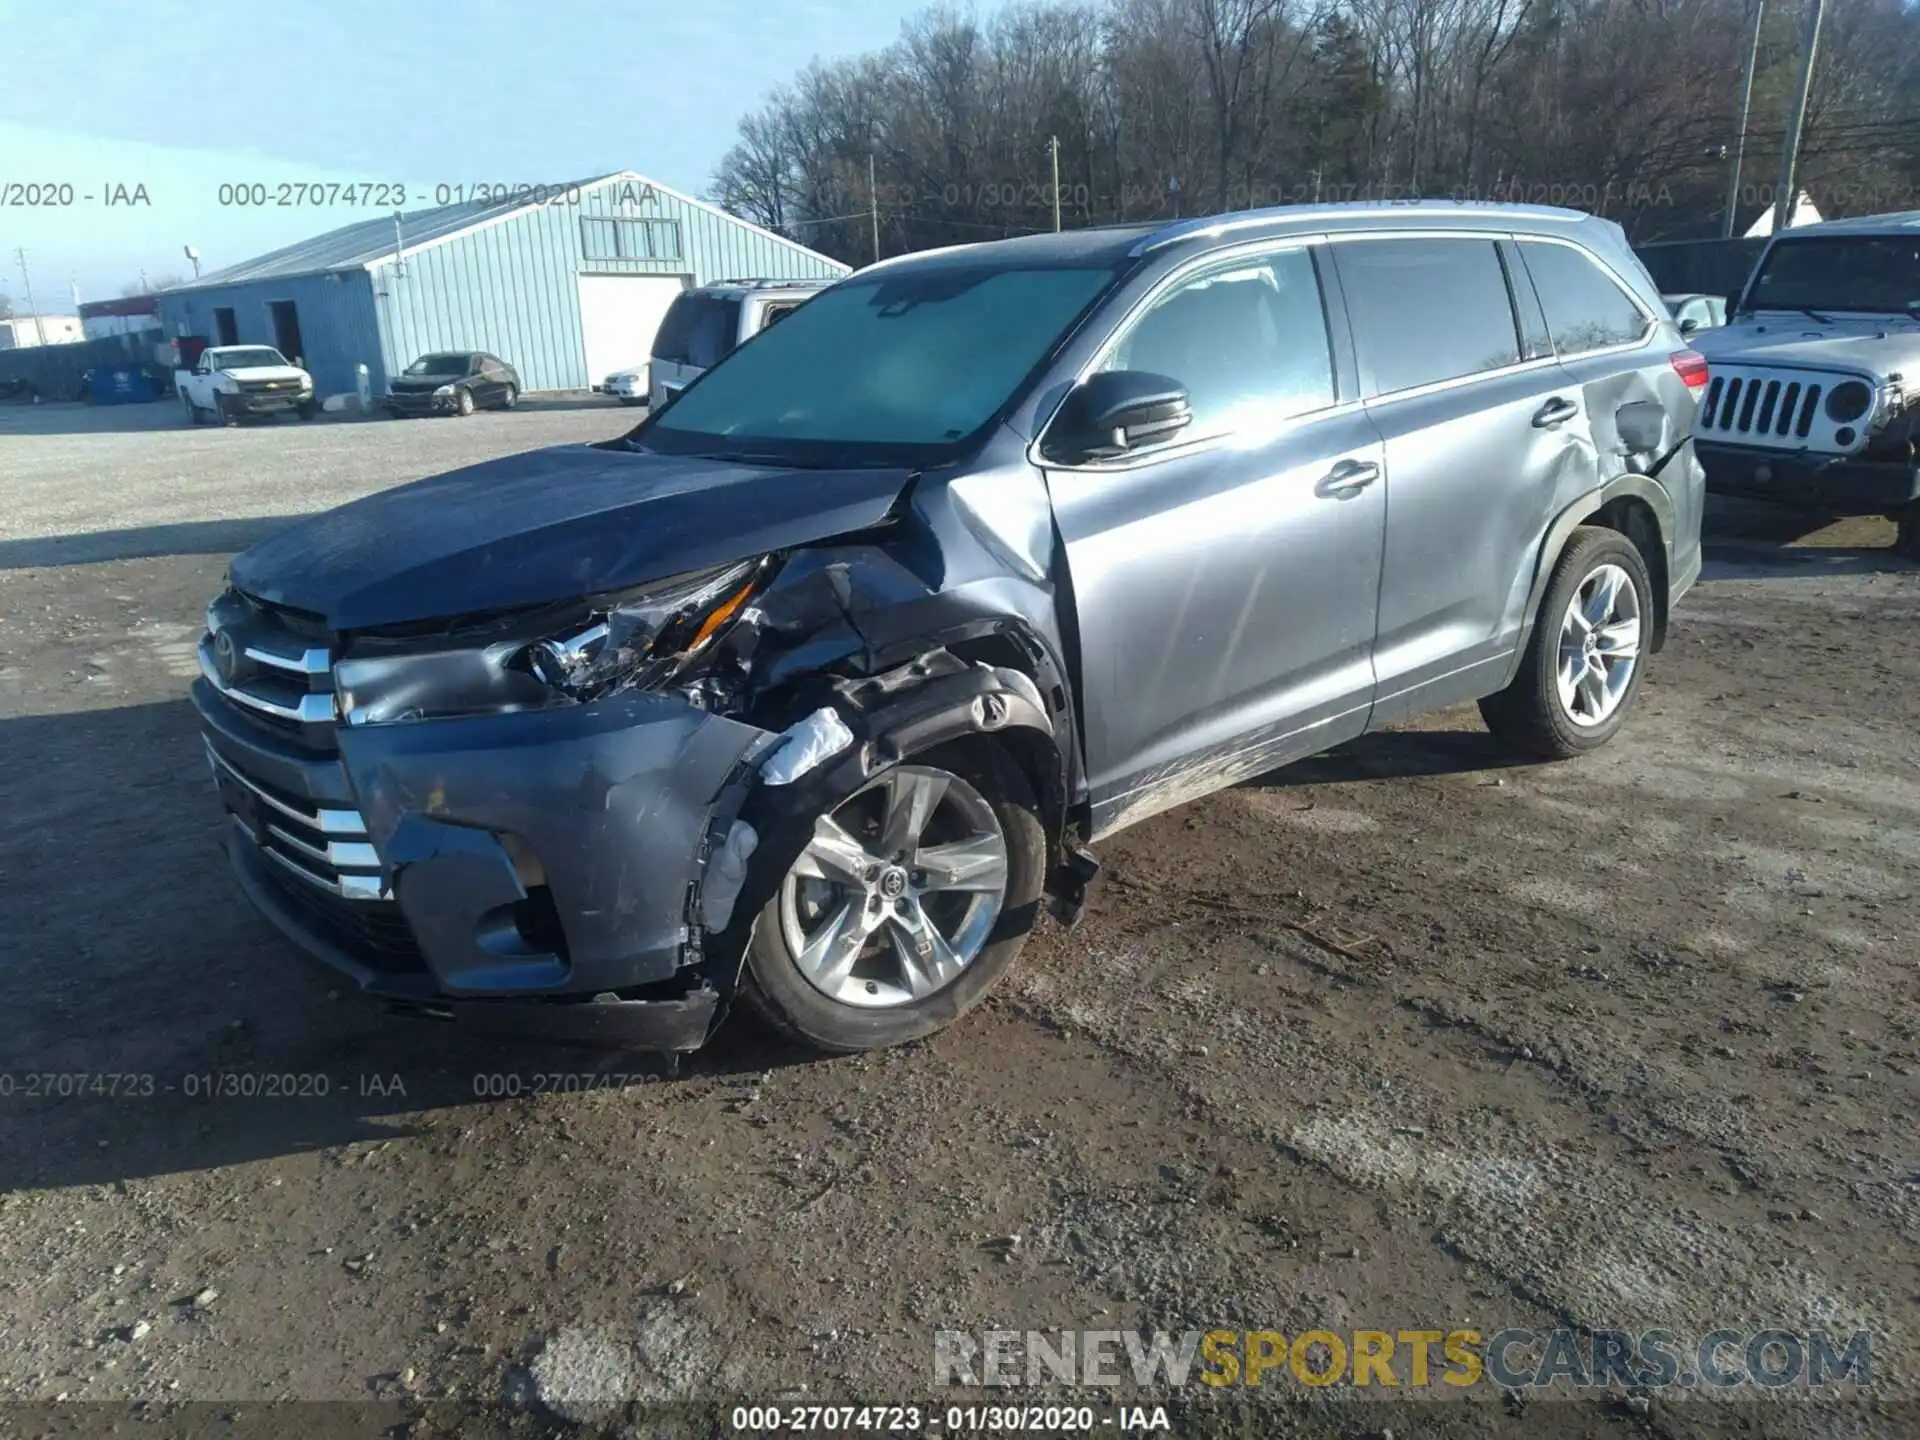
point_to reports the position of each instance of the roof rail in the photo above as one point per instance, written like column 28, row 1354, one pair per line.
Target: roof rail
column 761, row 282
column 1207, row 225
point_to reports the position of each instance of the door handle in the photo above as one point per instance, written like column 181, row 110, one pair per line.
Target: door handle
column 1556, row 411
column 1348, row 477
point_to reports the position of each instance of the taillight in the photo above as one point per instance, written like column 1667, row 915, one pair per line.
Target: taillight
column 1691, row 367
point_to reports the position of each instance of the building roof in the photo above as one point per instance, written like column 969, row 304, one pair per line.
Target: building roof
column 125, row 305
column 366, row 244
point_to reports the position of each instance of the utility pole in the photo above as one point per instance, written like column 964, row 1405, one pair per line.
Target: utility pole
column 873, row 201
column 1783, row 203
column 1746, row 108
column 1053, row 144
column 20, row 253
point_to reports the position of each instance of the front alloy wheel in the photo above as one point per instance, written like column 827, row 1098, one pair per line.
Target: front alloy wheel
column 903, row 905
column 897, row 891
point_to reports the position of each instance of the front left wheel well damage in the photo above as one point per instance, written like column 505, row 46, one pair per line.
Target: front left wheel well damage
column 936, row 698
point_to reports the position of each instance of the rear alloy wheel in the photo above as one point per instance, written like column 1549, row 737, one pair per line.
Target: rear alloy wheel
column 1600, row 637
column 1584, row 660
column 906, row 904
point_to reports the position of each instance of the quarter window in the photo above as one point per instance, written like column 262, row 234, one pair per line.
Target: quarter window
column 1586, row 308
column 1424, row 311
column 1248, row 340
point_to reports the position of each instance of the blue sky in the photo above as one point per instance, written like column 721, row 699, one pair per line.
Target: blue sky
column 181, row 96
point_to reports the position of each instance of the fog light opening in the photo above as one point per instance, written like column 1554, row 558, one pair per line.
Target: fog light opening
column 527, row 929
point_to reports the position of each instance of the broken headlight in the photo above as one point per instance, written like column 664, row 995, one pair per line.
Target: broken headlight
column 643, row 638
column 646, row 639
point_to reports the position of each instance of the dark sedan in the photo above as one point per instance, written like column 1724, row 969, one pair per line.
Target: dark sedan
column 456, row 382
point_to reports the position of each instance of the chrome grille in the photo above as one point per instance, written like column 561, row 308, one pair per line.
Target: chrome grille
column 276, row 675
column 326, row 847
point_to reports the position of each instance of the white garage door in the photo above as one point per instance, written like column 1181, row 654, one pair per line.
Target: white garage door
column 618, row 317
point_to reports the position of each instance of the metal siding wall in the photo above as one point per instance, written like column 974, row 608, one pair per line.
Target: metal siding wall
column 337, row 326
column 509, row 287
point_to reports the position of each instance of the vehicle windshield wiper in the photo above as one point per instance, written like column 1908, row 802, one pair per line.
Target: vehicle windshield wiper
column 1800, row 310
column 764, row 457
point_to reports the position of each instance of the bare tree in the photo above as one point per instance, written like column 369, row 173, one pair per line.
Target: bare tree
column 1169, row 107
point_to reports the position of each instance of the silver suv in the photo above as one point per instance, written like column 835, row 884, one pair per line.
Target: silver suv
column 810, row 689
column 704, row 325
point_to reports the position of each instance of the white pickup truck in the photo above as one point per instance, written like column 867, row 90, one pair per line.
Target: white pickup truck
column 228, row 383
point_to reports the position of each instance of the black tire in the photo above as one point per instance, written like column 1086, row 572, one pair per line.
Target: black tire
column 1529, row 717
column 224, row 411
column 308, row 409
column 465, row 401
column 1906, row 541
column 771, row 982
column 510, row 397
column 193, row 410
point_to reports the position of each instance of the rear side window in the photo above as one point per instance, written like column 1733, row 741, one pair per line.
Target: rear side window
column 1427, row 310
column 697, row 330
column 772, row 314
column 1586, row 308
column 1248, row 340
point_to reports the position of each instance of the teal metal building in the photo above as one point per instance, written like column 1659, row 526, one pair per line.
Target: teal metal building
column 567, row 283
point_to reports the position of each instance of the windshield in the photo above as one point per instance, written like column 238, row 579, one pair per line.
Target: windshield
column 907, row 363
column 1856, row 272
column 245, row 357
column 438, row 365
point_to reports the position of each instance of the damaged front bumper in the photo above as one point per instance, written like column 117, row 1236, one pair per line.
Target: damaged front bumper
column 540, row 872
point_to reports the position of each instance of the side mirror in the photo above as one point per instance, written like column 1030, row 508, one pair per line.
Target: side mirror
column 1114, row 411
column 1689, row 325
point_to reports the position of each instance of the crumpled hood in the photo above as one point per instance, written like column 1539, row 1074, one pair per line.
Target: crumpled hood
column 549, row 525
column 1876, row 344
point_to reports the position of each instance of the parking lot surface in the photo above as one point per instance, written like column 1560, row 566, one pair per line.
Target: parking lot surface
column 1401, row 1038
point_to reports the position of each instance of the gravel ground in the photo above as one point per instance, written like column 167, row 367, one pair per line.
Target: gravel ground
column 1403, row 1037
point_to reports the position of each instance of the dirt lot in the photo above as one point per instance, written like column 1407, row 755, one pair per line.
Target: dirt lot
column 1399, row 1038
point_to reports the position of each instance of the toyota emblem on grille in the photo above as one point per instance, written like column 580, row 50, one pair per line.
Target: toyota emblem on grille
column 226, row 656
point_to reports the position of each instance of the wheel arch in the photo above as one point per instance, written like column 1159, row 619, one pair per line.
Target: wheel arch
column 1638, row 507
column 932, row 699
